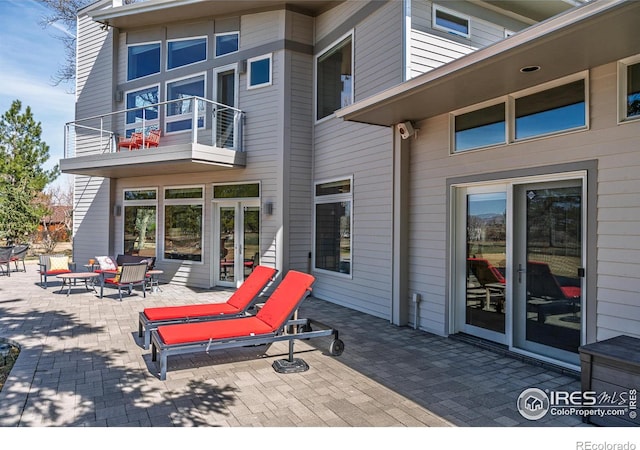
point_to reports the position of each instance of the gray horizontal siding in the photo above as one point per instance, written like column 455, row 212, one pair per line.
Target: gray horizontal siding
column 618, row 220
column 431, row 48
column 299, row 104
column 378, row 51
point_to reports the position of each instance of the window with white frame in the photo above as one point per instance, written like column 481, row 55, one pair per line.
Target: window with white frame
column 334, row 78
column 140, row 221
column 259, row 71
column 552, row 110
column 629, row 74
column 182, row 52
column 333, row 201
column 450, row 21
column 480, row 128
column 181, row 103
column 142, row 110
column 143, row 60
column 183, row 220
column 556, row 107
column 227, row 43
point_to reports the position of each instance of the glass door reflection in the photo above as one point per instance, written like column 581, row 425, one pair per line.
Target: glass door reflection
column 486, row 261
column 227, row 227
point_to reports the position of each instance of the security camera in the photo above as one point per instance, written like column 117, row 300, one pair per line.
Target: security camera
column 405, row 129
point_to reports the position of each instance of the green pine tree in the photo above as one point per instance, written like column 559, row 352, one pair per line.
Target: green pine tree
column 22, row 177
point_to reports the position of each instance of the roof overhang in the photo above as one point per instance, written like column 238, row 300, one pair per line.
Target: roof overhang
column 156, row 12
column 591, row 35
column 173, row 159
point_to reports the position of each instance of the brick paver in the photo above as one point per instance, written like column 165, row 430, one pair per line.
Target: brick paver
column 81, row 364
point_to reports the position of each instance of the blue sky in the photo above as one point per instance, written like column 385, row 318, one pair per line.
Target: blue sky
column 29, row 58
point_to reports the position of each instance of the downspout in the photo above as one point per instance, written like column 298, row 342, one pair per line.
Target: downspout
column 406, row 33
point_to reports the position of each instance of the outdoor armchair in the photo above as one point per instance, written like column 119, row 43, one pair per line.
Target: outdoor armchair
column 128, row 276
column 5, row 259
column 52, row 265
column 130, row 143
column 18, row 255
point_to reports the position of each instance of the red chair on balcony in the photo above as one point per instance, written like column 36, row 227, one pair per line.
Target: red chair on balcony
column 152, row 139
column 133, row 142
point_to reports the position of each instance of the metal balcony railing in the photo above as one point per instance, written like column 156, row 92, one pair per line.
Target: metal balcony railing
column 194, row 120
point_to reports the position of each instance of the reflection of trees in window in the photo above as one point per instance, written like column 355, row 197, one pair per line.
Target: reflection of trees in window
column 554, row 218
column 139, row 230
column 183, row 232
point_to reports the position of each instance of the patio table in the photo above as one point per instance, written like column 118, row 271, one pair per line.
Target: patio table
column 88, row 277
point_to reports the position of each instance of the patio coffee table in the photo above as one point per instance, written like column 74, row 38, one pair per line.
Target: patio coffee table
column 88, row 277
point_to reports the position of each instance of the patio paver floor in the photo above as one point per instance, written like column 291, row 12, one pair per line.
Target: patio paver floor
column 81, row 364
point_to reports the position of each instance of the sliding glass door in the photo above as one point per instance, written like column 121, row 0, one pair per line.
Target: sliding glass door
column 519, row 264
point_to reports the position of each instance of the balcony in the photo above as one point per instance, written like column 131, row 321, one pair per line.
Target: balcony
column 198, row 135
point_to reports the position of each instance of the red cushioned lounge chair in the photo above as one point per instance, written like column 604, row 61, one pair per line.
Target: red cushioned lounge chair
column 237, row 305
column 267, row 326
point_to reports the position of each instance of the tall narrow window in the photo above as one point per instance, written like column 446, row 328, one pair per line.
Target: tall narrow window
column 181, row 103
column 183, row 212
column 633, row 90
column 140, row 222
column 186, row 51
column 334, row 78
column 333, row 226
column 143, row 60
column 142, row 110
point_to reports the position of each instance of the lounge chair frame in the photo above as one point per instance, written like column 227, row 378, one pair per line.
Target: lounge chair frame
column 146, row 326
column 292, row 330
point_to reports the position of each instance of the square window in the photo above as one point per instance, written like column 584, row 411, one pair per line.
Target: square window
column 186, row 51
column 143, row 60
column 480, row 128
column 227, row 43
column 334, row 78
column 259, row 72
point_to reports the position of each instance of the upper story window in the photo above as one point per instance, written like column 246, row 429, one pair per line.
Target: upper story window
column 259, row 71
column 334, row 78
column 142, row 110
column 180, row 95
column 143, row 60
column 451, row 21
column 186, row 51
column 559, row 108
column 556, row 107
column 629, row 85
column 227, row 43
